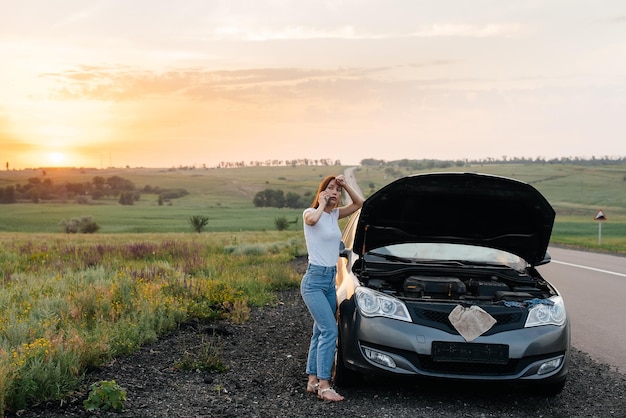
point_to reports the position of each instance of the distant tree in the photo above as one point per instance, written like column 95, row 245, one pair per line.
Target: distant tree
column 390, row 171
column 7, row 195
column 119, row 184
column 127, row 198
column 294, row 200
column 269, row 198
column 372, row 162
column 98, row 182
column 77, row 188
column 198, row 222
column 172, row 193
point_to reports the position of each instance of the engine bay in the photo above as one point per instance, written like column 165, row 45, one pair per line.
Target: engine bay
column 494, row 288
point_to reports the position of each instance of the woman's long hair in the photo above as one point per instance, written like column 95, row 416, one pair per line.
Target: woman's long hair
column 321, row 188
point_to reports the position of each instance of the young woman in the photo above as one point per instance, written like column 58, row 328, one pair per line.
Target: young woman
column 323, row 237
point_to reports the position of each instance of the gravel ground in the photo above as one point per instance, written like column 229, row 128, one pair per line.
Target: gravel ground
column 266, row 357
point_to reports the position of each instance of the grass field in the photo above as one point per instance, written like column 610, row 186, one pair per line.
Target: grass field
column 68, row 304
column 225, row 197
column 71, row 301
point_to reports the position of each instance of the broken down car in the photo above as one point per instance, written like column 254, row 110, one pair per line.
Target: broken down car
column 438, row 279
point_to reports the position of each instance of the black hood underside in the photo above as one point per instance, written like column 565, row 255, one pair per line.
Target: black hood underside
column 462, row 208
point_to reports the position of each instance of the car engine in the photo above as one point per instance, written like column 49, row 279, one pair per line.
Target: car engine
column 487, row 288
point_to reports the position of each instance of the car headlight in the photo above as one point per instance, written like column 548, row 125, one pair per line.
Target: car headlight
column 546, row 312
column 372, row 303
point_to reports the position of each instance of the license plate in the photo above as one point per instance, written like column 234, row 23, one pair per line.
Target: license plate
column 470, row 352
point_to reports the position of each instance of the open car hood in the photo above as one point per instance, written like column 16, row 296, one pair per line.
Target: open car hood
column 462, row 208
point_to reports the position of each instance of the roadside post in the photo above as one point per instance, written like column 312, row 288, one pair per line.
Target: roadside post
column 600, row 217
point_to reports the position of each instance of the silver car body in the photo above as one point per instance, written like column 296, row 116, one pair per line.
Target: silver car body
column 481, row 236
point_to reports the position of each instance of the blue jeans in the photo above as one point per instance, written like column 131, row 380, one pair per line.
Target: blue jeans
column 320, row 296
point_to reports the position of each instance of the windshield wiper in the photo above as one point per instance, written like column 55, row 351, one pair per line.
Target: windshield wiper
column 480, row 264
column 430, row 262
column 392, row 257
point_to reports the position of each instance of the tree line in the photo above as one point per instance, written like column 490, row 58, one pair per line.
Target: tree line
column 276, row 198
column 36, row 190
column 278, row 163
column 427, row 164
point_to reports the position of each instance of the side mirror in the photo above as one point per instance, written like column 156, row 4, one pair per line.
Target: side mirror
column 343, row 252
column 546, row 259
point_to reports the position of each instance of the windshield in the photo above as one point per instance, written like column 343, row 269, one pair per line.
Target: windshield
column 448, row 252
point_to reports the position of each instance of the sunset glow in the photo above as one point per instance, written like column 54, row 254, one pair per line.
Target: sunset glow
column 57, row 159
column 161, row 84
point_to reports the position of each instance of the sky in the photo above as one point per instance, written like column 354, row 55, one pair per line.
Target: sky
column 160, row 83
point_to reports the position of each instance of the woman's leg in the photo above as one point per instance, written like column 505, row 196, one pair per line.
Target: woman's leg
column 318, row 293
column 326, row 357
column 311, row 364
column 327, row 340
column 324, row 339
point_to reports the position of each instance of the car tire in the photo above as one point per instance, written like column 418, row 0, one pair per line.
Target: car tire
column 342, row 375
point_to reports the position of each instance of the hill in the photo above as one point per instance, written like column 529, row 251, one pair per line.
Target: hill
column 224, row 195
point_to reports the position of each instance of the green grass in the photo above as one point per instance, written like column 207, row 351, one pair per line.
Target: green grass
column 45, row 217
column 225, row 197
column 67, row 304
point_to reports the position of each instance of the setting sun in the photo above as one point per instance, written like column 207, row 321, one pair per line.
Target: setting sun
column 57, row 158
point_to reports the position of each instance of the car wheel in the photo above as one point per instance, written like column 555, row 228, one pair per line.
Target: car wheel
column 342, row 375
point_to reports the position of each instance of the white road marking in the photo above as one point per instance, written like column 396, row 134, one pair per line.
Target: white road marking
column 589, row 268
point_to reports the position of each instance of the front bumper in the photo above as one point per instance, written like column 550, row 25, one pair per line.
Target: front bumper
column 407, row 347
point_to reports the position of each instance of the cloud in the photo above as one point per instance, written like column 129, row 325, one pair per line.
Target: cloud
column 468, row 30
column 77, row 16
column 349, row 32
column 122, row 83
column 232, row 32
column 618, row 19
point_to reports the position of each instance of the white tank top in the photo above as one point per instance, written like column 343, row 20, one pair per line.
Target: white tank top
column 323, row 238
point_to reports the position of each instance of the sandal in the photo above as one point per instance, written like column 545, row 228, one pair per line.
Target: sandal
column 312, row 388
column 332, row 395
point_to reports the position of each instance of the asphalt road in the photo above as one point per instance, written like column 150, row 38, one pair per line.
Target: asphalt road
column 594, row 289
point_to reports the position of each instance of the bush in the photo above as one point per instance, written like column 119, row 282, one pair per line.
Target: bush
column 106, row 395
column 281, row 223
column 84, row 225
column 205, row 357
column 198, row 222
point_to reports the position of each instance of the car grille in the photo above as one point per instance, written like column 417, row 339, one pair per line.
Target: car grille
column 428, row 364
column 435, row 315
